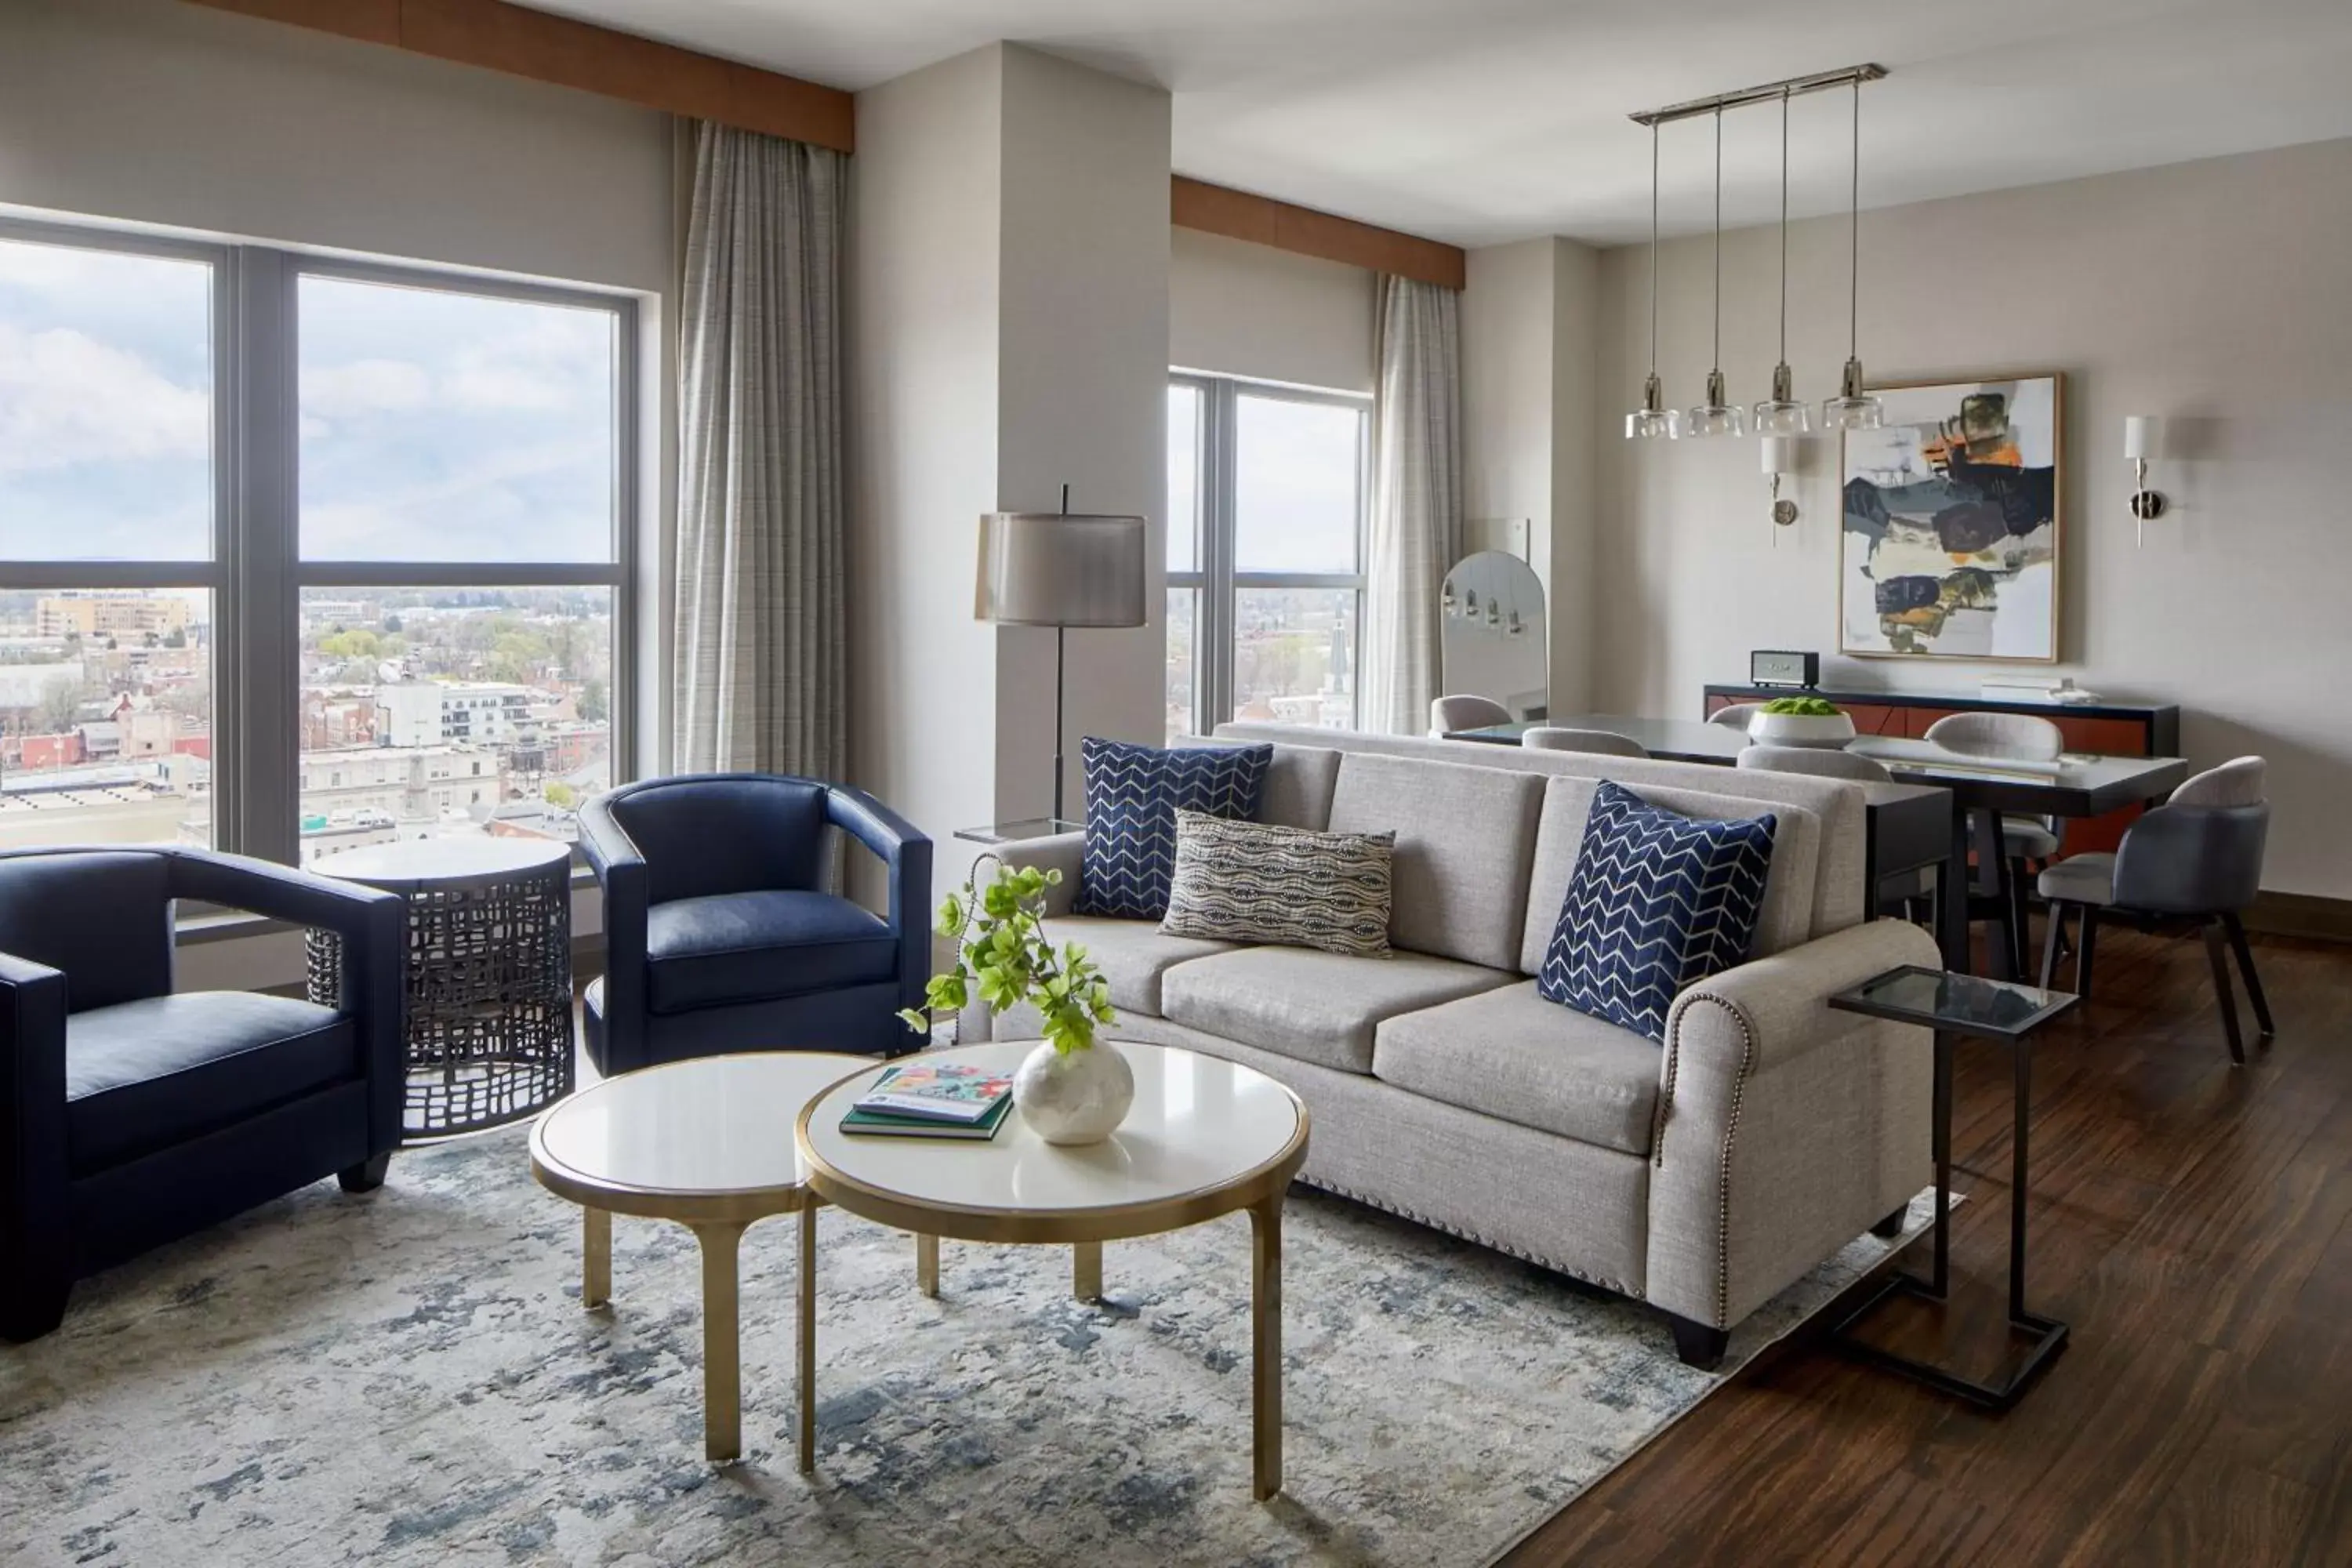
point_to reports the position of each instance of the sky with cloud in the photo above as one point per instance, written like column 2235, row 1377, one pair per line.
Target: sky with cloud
column 433, row 425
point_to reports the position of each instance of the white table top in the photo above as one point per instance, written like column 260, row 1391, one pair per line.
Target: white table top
column 1203, row 1136
column 471, row 856
column 716, row 1127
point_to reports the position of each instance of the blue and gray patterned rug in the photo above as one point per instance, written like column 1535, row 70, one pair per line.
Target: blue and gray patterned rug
column 409, row 1378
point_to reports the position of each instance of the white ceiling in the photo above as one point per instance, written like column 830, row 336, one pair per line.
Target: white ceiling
column 1484, row 120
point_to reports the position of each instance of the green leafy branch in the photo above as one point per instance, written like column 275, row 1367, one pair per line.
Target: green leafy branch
column 1002, row 956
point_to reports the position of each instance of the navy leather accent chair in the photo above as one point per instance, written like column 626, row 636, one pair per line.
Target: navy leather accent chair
column 131, row 1114
column 719, row 933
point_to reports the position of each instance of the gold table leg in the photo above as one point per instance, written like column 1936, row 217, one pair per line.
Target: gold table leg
column 1086, row 1270
column 722, row 1350
column 595, row 1256
column 808, row 1338
column 1265, row 1347
column 926, row 1265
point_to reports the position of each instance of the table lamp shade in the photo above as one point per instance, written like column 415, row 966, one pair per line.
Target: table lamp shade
column 1060, row 569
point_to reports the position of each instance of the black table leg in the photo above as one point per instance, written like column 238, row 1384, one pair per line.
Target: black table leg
column 1952, row 896
column 2048, row 1335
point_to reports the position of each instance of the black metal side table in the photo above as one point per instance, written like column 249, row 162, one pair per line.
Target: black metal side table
column 489, row 974
column 1953, row 1006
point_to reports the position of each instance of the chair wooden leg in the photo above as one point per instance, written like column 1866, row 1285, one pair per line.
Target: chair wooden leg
column 366, row 1176
column 2019, row 928
column 2051, row 937
column 2216, row 941
column 2237, row 930
column 2085, row 944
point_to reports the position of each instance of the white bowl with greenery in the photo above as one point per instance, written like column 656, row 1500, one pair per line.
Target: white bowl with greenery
column 1801, row 721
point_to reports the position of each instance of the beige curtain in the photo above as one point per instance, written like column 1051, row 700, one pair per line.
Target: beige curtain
column 1416, row 499
column 760, row 636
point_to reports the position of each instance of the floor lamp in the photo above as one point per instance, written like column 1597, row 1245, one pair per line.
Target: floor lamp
column 1061, row 570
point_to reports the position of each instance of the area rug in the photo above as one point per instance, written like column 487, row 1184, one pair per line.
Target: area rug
column 409, row 1377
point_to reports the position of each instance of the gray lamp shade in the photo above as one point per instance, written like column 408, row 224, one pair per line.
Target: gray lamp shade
column 1060, row 569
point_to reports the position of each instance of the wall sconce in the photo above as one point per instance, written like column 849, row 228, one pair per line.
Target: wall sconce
column 2140, row 437
column 1779, row 459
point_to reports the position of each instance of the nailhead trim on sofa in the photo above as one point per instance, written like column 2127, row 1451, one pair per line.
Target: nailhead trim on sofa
column 1619, row 1286
column 1730, row 1134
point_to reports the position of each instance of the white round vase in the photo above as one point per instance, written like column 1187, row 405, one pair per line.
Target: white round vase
column 1078, row 1098
column 1826, row 730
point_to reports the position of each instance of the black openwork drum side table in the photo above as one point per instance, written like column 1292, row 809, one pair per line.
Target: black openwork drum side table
column 489, row 974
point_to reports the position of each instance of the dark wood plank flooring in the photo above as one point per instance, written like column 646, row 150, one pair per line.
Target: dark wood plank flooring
column 2192, row 1222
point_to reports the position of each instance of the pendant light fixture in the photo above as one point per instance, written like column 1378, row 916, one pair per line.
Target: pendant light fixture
column 1715, row 417
column 1654, row 421
column 1782, row 413
column 1853, row 408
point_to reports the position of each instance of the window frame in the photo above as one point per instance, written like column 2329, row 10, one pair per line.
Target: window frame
column 256, row 572
column 1218, row 579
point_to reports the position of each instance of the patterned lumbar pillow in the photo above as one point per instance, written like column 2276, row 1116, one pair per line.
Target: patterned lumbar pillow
column 1658, row 902
column 1252, row 882
column 1133, row 793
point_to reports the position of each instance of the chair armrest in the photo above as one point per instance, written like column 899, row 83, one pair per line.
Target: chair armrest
column 1784, row 1129
column 34, row 1235
column 1063, row 852
column 281, row 893
column 625, row 883
column 906, row 852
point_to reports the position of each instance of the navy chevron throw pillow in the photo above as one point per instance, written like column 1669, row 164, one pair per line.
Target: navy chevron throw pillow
column 1132, row 797
column 1658, row 902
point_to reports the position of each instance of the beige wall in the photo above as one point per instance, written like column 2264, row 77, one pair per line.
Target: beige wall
column 2212, row 293
column 1238, row 309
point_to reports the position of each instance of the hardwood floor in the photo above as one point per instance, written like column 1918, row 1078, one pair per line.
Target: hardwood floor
column 2192, row 1222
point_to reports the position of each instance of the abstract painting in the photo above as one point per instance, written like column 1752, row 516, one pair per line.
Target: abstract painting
column 1950, row 543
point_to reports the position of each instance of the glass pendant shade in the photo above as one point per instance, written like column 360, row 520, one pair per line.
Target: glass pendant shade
column 1654, row 421
column 1714, row 417
column 1782, row 413
column 1853, row 408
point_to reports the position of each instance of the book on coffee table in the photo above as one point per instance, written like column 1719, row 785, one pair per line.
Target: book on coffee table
column 944, row 1091
column 886, row 1124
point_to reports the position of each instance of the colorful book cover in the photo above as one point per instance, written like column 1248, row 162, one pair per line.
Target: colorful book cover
column 944, row 1091
column 882, row 1124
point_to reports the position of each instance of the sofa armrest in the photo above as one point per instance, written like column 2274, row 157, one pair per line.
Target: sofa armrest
column 35, row 1234
column 1784, row 1129
column 1062, row 852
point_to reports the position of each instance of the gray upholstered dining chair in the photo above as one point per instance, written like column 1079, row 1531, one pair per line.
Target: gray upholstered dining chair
column 2024, row 840
column 1448, row 714
column 1734, row 715
column 2198, row 856
column 1601, row 742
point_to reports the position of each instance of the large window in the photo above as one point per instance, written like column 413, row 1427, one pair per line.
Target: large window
column 383, row 512
column 1266, row 504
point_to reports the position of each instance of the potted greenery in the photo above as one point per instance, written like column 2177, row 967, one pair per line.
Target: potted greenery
column 1799, row 721
column 1071, row 1089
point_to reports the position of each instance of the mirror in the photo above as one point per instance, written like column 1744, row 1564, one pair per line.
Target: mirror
column 1495, row 640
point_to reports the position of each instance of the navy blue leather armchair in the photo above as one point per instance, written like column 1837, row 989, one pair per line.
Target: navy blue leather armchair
column 130, row 1114
column 719, row 933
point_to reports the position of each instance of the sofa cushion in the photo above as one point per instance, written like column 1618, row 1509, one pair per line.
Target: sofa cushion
column 1511, row 1055
column 1659, row 901
column 1320, row 1008
column 1465, row 838
column 752, row 947
column 1133, row 955
column 1132, row 795
column 142, row 1076
column 1298, row 782
column 1255, row 881
column 1787, row 917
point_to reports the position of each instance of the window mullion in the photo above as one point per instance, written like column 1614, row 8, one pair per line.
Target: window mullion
column 259, row 679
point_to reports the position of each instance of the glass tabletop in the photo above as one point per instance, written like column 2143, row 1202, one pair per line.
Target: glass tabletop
column 1964, row 1003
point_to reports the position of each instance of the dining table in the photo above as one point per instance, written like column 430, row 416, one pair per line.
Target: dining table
column 1969, row 797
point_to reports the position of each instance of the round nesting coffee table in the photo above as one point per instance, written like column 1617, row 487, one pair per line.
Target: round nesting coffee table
column 1206, row 1137
column 489, row 974
column 708, row 1143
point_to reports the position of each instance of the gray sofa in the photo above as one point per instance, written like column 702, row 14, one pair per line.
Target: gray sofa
column 1704, row 1177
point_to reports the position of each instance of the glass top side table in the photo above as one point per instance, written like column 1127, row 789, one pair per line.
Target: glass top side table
column 1954, row 1005
column 1015, row 832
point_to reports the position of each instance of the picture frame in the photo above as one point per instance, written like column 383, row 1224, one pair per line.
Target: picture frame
column 1951, row 529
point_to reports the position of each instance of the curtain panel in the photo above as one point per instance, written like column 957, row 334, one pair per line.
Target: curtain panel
column 1416, row 499
column 761, row 636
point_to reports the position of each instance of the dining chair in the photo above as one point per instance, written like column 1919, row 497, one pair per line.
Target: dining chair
column 1734, row 715
column 2024, row 840
column 2198, row 856
column 1600, row 743
column 1449, row 714
column 1904, row 892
